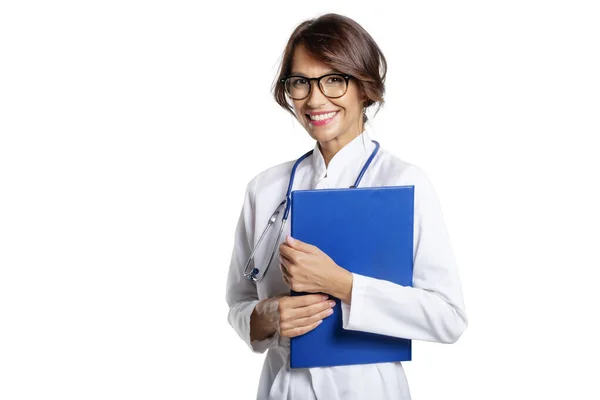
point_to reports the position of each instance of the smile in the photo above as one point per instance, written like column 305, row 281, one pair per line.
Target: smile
column 322, row 119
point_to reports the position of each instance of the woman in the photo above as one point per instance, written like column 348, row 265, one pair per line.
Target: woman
column 331, row 72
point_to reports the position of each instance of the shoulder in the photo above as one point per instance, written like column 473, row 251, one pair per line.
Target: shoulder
column 272, row 177
column 399, row 171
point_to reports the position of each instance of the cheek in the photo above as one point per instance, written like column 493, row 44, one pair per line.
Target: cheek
column 297, row 106
column 349, row 108
column 352, row 101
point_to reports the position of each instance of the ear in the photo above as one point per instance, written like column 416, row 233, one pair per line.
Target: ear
column 363, row 96
column 363, row 93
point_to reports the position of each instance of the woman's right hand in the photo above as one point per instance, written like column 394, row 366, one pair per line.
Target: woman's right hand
column 289, row 315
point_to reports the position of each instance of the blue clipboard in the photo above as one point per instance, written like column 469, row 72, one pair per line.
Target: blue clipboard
column 368, row 231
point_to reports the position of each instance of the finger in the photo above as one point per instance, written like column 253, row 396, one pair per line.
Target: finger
column 285, row 275
column 301, row 246
column 309, row 320
column 285, row 271
column 287, row 251
column 286, row 268
column 298, row 331
column 286, row 313
column 306, row 300
column 285, row 261
column 307, row 311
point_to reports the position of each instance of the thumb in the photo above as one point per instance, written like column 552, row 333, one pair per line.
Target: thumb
column 300, row 245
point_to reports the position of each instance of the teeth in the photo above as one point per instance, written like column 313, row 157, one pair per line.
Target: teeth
column 321, row 117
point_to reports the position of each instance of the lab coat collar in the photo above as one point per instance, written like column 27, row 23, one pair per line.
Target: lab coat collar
column 351, row 155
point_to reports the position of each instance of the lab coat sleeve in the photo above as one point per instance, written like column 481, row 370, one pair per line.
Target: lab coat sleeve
column 432, row 309
column 241, row 293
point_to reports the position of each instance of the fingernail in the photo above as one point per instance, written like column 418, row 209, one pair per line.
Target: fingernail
column 290, row 240
column 330, row 311
column 332, row 303
column 325, row 297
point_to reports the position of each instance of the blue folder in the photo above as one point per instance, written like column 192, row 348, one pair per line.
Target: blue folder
column 368, row 231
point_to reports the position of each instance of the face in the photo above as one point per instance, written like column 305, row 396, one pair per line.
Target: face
column 345, row 124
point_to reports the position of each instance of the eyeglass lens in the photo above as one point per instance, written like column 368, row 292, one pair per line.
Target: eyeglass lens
column 331, row 86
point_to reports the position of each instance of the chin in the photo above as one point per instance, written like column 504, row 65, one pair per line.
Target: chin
column 323, row 134
column 324, row 137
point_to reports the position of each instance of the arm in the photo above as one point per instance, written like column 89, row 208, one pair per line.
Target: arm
column 248, row 320
column 432, row 309
column 261, row 323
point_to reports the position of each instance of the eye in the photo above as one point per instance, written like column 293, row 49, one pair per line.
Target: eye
column 299, row 81
column 335, row 79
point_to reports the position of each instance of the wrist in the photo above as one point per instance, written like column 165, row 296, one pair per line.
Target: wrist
column 261, row 324
column 342, row 286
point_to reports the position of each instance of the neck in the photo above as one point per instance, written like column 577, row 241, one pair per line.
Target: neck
column 330, row 148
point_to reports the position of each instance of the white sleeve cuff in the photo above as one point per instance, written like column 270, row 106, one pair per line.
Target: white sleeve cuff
column 351, row 313
column 242, row 320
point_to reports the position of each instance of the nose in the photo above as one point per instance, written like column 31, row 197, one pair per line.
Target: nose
column 316, row 97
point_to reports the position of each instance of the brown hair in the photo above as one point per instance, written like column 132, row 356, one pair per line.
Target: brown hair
column 342, row 44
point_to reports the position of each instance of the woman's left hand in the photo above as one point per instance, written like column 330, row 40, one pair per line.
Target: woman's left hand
column 307, row 269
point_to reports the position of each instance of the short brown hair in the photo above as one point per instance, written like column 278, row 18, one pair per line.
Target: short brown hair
column 344, row 45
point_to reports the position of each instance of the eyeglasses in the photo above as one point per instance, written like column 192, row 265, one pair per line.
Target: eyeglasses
column 331, row 85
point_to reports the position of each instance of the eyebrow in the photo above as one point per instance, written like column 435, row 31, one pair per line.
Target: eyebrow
column 332, row 71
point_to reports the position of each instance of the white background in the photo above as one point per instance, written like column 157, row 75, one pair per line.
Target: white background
column 129, row 130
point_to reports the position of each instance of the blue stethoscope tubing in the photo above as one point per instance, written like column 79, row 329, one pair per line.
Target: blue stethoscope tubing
column 287, row 201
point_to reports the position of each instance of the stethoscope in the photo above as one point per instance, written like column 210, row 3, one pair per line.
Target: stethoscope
column 252, row 274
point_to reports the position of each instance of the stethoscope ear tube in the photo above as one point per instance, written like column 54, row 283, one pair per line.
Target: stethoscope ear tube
column 251, row 274
column 366, row 166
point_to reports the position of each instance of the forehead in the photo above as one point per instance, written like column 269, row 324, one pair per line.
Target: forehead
column 303, row 63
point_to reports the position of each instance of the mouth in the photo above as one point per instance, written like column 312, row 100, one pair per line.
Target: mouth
column 318, row 119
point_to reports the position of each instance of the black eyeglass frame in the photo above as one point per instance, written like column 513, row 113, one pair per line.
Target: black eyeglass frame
column 345, row 76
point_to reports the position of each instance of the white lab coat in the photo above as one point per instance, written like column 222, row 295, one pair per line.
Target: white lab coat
column 431, row 310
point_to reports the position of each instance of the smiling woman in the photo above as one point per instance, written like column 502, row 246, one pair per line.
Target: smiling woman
column 335, row 112
column 332, row 71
